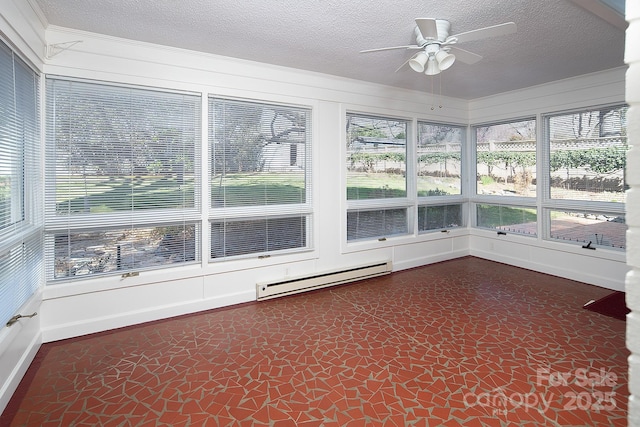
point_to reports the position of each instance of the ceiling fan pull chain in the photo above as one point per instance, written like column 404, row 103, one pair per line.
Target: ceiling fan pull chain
column 433, row 95
column 440, row 97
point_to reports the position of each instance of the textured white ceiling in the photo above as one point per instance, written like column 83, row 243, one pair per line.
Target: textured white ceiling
column 556, row 39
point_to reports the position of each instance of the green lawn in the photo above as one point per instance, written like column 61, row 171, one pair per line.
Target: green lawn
column 498, row 216
column 97, row 194
column 122, row 194
column 362, row 186
column 257, row 189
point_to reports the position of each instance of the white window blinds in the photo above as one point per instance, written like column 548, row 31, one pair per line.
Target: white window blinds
column 20, row 187
column 588, row 155
column 260, row 177
column 122, row 178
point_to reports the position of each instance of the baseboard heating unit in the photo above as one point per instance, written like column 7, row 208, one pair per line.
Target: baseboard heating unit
column 289, row 286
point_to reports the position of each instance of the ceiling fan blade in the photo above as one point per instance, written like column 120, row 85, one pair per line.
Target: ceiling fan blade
column 483, row 33
column 413, row 46
column 427, row 27
column 464, row 55
column 404, row 64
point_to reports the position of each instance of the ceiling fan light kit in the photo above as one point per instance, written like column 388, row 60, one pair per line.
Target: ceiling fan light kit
column 418, row 61
column 445, row 59
column 435, row 45
column 432, row 68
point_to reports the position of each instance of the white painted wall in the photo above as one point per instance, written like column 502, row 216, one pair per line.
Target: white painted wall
column 103, row 303
column 632, row 58
column 99, row 304
column 605, row 268
column 19, row 343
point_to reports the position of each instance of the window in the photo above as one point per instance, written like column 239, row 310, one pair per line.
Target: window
column 439, row 217
column 439, row 151
column 122, row 178
column 374, row 223
column 513, row 219
column 376, row 157
column 506, row 182
column 588, row 155
column 586, row 190
column 595, row 228
column 506, row 159
column 376, row 177
column 20, row 186
column 439, row 175
column 260, row 172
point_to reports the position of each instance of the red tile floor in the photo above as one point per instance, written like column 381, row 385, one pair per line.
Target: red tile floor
column 466, row 342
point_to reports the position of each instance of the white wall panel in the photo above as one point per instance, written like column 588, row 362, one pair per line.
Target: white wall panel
column 605, row 269
column 606, row 87
column 632, row 58
column 18, row 346
column 427, row 252
column 108, row 58
column 24, row 29
column 85, row 313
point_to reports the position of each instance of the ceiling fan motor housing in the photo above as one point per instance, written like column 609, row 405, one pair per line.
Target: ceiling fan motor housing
column 443, row 27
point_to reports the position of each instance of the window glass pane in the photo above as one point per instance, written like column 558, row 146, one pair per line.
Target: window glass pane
column 600, row 229
column 11, row 143
column 241, row 237
column 119, row 250
column 259, row 154
column 20, row 272
column 21, row 249
column 119, row 149
column 19, row 133
column 367, row 224
column 439, row 217
column 376, row 157
column 260, row 162
column 438, row 155
column 507, row 218
column 506, row 156
column 122, row 167
column 588, row 155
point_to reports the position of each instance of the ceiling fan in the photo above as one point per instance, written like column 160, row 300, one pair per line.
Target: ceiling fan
column 435, row 45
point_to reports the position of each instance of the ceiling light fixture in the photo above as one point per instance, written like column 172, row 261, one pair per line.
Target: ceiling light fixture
column 436, row 48
column 432, row 68
column 418, row 61
column 432, row 60
column 445, row 59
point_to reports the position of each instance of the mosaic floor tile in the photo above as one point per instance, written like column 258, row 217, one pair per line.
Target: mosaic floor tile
column 466, row 342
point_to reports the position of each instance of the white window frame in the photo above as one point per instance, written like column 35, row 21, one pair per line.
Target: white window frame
column 121, row 219
column 21, row 249
column 497, row 200
column 454, row 199
column 408, row 202
column 258, row 212
column 549, row 204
